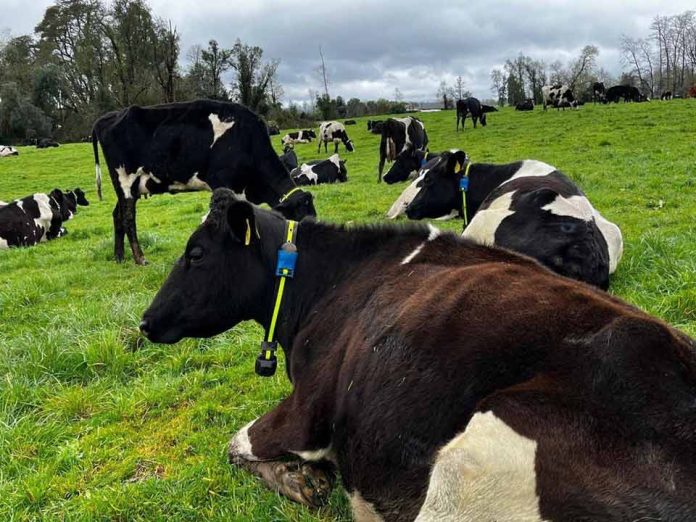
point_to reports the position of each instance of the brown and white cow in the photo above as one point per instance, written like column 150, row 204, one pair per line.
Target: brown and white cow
column 445, row 380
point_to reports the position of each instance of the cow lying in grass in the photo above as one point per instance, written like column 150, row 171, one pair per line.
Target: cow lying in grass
column 445, row 380
column 39, row 217
column 6, row 150
column 331, row 170
column 527, row 206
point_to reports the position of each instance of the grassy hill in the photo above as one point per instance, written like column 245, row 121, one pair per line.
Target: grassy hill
column 95, row 422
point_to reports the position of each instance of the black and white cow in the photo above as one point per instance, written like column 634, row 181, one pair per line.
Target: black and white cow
column 39, row 217
column 6, row 150
column 375, row 126
column 402, row 138
column 526, row 105
column 331, row 170
column 46, row 143
column 667, row 95
column 189, row 146
column 599, row 92
column 559, row 96
column 526, row 206
column 288, row 158
column 302, row 136
column 333, row 131
column 471, row 106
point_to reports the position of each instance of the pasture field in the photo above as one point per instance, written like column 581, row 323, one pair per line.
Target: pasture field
column 97, row 423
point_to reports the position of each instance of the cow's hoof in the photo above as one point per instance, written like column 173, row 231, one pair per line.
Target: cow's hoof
column 141, row 261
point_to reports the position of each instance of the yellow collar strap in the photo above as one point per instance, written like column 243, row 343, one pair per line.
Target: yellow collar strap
column 266, row 362
column 288, row 194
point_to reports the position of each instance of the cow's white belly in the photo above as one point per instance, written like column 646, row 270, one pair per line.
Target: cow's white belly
column 485, row 222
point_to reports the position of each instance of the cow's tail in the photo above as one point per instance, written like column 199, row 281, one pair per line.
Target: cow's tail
column 97, row 168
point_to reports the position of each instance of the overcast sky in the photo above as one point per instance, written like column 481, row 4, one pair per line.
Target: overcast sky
column 373, row 47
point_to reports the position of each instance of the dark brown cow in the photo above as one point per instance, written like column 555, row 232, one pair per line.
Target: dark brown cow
column 445, row 380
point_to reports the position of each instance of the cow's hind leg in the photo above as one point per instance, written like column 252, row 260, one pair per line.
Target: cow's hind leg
column 119, row 230
column 131, row 231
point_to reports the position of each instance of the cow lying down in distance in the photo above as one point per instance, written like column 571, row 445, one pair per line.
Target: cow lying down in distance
column 330, row 170
column 482, row 386
column 526, row 206
column 39, row 217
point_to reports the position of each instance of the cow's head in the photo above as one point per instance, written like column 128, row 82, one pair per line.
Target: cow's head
column 438, row 185
column 310, row 133
column 342, row 171
column 406, row 163
column 349, row 144
column 297, row 205
column 79, row 196
column 224, row 276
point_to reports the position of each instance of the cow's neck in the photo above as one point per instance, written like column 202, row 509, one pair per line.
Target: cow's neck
column 270, row 184
column 483, row 179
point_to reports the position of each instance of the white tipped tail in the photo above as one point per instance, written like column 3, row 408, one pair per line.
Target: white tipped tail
column 99, row 181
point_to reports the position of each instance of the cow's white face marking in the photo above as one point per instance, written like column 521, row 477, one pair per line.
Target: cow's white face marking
column 482, row 227
column 219, row 127
column 432, row 234
column 316, row 455
column 240, row 445
column 363, row 511
column 126, row 181
column 532, row 168
column 575, row 206
column 486, row 473
column 194, row 183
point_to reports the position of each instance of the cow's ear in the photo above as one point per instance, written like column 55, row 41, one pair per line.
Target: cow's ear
column 456, row 162
column 242, row 222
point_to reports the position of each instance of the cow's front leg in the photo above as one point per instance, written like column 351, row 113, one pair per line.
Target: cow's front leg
column 270, row 446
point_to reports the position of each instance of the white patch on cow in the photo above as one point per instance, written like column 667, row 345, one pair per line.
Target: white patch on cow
column 363, row 511
column 453, row 214
column 575, row 206
column 532, row 168
column 45, row 215
column 143, row 179
column 404, row 200
column 3, row 243
column 240, row 445
column 2, row 203
column 219, row 127
column 432, row 234
column 336, row 160
column 482, row 227
column 194, row 183
column 306, row 170
column 20, row 204
column 612, row 235
column 407, row 121
column 486, row 473
column 126, row 181
column 315, row 455
column 205, row 217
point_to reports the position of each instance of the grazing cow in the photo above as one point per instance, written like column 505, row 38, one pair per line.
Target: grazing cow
column 331, row 170
column 46, row 143
column 199, row 145
column 599, row 92
column 349, row 122
column 375, row 126
column 288, row 158
column 303, row 136
column 273, row 130
column 39, row 217
column 526, row 105
column 471, row 106
column 402, row 138
column 444, row 380
column 559, row 96
column 333, row 131
column 6, row 150
column 627, row 92
column 667, row 95
column 527, row 206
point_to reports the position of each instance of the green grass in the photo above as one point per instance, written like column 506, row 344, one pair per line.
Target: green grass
column 96, row 423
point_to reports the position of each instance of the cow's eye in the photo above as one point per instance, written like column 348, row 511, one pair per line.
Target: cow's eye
column 195, row 254
column 568, row 228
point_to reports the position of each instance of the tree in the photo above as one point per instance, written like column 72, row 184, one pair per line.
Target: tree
column 165, row 51
column 252, row 86
column 459, row 88
column 499, row 85
column 214, row 61
column 447, row 95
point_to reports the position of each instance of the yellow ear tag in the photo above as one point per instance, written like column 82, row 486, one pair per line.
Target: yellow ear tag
column 247, row 238
column 457, row 167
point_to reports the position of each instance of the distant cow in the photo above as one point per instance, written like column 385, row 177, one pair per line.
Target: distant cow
column 473, row 107
column 349, row 122
column 39, row 217
column 401, row 139
column 46, row 143
column 375, row 126
column 599, row 92
column 526, row 105
column 273, row 130
column 188, row 146
column 6, row 150
column 445, row 381
column 335, row 132
column 559, row 96
column 331, row 170
column 288, row 158
column 627, row 92
column 527, row 206
column 667, row 95
column 303, row 136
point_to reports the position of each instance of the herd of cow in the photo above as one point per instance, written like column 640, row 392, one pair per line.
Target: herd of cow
column 444, row 377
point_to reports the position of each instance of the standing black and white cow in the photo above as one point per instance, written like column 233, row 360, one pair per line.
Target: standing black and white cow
column 599, row 92
column 331, row 170
column 39, row 217
column 302, row 136
column 333, row 131
column 526, row 105
column 402, row 138
column 471, row 106
column 559, row 96
column 199, row 145
column 526, row 206
column 667, row 95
